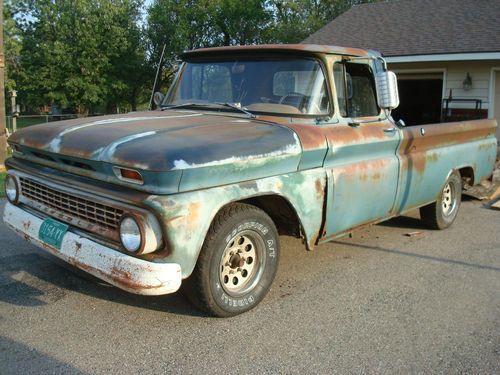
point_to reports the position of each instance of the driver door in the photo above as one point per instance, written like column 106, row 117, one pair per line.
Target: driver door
column 362, row 162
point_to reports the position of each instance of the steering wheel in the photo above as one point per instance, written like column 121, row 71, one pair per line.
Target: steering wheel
column 293, row 98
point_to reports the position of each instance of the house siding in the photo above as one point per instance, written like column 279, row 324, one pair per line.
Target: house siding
column 454, row 75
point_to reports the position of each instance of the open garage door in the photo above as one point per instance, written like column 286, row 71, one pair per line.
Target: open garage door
column 495, row 101
column 420, row 97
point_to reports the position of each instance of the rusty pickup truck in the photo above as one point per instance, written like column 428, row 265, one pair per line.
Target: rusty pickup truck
column 250, row 142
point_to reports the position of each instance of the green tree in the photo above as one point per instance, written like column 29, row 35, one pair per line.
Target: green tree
column 97, row 55
column 80, row 54
column 238, row 22
column 12, row 47
column 179, row 25
column 187, row 24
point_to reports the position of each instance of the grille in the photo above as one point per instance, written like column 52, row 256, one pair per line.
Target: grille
column 84, row 209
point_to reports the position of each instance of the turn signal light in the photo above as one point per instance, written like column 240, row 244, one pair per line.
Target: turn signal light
column 129, row 175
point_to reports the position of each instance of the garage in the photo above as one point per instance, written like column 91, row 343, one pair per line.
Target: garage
column 420, row 98
column 446, row 54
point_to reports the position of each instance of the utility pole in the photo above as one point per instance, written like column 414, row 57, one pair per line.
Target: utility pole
column 3, row 133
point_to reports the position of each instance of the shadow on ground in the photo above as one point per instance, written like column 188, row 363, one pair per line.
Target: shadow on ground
column 418, row 256
column 17, row 358
column 404, row 222
column 35, row 280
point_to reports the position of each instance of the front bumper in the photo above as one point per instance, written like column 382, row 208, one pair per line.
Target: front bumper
column 126, row 272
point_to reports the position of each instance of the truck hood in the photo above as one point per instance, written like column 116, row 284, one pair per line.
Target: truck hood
column 161, row 141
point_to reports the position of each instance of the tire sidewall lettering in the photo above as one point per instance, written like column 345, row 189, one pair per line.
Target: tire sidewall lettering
column 271, row 245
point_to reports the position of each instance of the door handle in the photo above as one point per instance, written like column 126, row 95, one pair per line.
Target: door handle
column 390, row 130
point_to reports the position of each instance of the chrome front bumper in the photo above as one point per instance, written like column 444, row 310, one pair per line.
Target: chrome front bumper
column 126, row 272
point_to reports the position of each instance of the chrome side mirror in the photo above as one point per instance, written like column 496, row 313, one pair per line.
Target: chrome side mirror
column 387, row 89
column 158, row 98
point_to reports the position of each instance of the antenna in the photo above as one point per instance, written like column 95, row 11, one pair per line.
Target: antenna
column 156, row 78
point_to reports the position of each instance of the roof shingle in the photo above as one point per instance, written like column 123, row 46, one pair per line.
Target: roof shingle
column 416, row 27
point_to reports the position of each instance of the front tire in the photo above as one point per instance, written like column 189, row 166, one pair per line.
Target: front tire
column 237, row 263
column 442, row 213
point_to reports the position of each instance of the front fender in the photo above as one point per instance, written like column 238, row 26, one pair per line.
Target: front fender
column 186, row 217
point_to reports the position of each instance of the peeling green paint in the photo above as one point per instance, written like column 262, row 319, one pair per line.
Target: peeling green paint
column 187, row 216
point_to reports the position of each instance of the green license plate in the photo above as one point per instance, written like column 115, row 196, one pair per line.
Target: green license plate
column 52, row 232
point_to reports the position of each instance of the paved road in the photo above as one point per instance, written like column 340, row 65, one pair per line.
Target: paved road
column 379, row 302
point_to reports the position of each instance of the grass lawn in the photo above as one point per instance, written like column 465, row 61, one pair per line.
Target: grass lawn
column 2, row 180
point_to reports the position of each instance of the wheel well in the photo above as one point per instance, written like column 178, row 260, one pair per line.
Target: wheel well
column 467, row 174
column 280, row 211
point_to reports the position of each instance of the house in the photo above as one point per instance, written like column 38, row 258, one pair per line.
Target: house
column 446, row 54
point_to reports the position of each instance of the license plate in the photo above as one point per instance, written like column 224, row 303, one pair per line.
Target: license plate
column 52, row 232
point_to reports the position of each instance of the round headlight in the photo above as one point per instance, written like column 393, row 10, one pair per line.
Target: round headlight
column 130, row 234
column 11, row 189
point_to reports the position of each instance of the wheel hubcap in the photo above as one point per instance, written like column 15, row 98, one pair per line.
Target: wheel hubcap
column 448, row 200
column 240, row 266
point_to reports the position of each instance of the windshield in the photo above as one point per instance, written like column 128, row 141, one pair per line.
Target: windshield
column 283, row 86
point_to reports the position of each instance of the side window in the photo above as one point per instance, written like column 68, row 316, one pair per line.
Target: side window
column 338, row 76
column 355, row 89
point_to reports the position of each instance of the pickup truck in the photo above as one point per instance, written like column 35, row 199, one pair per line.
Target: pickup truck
column 249, row 143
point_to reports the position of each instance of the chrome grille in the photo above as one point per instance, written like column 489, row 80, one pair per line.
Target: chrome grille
column 76, row 207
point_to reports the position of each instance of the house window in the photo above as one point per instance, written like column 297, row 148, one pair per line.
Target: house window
column 355, row 89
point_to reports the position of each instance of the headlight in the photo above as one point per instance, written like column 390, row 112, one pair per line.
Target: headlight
column 11, row 189
column 130, row 234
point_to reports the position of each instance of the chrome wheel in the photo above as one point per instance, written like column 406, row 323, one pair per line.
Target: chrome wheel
column 241, row 263
column 448, row 201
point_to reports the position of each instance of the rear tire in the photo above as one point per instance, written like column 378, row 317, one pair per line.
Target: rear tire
column 237, row 263
column 442, row 213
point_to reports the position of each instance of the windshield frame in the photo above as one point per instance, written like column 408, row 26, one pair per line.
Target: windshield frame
column 256, row 57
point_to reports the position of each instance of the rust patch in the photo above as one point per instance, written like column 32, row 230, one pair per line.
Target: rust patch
column 320, row 192
column 78, row 247
column 363, row 168
column 432, row 157
column 121, row 275
column 26, row 225
column 418, row 161
column 415, row 146
column 445, row 134
column 346, row 135
column 311, row 137
column 485, row 146
column 80, row 265
column 193, row 215
column 125, row 279
column 309, row 48
column 118, row 276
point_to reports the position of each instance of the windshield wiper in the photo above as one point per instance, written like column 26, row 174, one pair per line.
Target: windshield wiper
column 172, row 106
column 236, row 106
